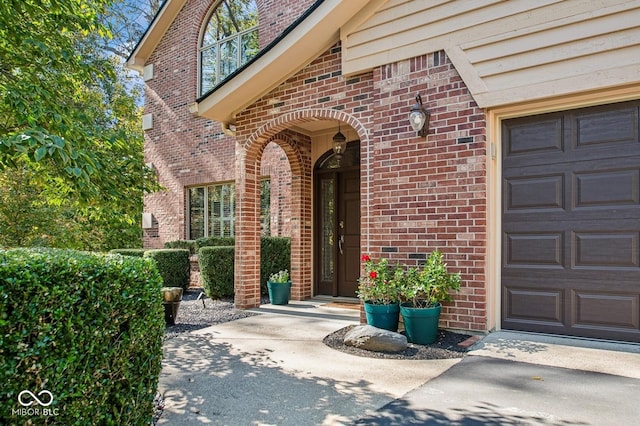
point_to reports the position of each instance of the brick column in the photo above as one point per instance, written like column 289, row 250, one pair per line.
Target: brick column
column 301, row 237
column 247, row 229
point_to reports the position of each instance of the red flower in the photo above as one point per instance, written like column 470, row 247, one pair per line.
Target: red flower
column 373, row 274
column 365, row 258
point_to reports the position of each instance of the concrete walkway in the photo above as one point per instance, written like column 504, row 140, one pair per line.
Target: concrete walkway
column 273, row 369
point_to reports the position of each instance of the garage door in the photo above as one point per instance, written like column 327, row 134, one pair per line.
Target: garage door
column 571, row 223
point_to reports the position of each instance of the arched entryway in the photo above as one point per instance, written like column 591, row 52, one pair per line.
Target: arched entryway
column 337, row 222
column 296, row 133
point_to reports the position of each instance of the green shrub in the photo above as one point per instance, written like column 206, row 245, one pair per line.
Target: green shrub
column 215, row 242
column 216, row 267
column 182, row 244
column 129, row 252
column 275, row 255
column 216, row 270
column 87, row 328
column 173, row 265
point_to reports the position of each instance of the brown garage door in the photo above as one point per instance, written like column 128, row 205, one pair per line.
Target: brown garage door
column 571, row 223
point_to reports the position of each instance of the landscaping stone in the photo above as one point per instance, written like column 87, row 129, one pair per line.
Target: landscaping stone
column 375, row 339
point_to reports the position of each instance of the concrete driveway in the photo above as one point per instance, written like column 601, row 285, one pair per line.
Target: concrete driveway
column 273, row 369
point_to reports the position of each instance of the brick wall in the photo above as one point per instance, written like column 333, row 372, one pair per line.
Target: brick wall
column 276, row 15
column 430, row 193
column 188, row 150
column 418, row 194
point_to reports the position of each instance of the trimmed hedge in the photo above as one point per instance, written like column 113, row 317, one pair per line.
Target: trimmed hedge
column 87, row 328
column 129, row 252
column 215, row 242
column 216, row 267
column 216, row 270
column 275, row 255
column 182, row 244
column 173, row 265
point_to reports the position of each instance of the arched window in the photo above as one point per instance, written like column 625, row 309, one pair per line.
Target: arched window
column 230, row 40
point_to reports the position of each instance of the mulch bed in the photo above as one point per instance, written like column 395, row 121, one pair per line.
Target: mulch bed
column 446, row 346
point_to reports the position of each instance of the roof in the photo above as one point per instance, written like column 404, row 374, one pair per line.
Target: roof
column 306, row 39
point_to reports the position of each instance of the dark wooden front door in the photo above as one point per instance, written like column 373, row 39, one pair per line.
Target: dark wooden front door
column 337, row 231
column 571, row 223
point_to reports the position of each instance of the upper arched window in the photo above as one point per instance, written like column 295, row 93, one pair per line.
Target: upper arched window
column 230, row 40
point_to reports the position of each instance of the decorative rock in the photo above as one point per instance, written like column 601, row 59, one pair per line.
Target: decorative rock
column 375, row 339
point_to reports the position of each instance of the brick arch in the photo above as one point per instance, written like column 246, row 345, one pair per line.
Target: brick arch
column 298, row 152
column 285, row 121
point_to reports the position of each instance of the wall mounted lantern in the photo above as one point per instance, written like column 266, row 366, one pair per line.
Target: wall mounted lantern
column 419, row 118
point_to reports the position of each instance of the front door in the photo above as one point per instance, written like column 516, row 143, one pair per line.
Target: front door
column 337, row 231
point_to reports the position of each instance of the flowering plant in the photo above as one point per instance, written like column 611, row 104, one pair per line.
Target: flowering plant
column 281, row 277
column 380, row 283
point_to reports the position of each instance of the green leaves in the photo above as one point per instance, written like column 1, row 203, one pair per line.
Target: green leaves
column 63, row 103
column 86, row 327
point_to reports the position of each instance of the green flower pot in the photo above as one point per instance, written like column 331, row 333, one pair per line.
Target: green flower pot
column 420, row 324
column 279, row 292
column 382, row 316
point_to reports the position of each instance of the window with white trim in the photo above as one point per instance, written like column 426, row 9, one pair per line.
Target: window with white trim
column 229, row 41
column 212, row 210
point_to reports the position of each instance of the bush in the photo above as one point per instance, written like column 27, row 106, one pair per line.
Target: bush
column 87, row 328
column 215, row 242
column 182, row 244
column 216, row 270
column 129, row 252
column 173, row 265
column 275, row 255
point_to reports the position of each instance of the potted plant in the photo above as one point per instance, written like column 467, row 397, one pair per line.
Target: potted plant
column 279, row 287
column 378, row 290
column 423, row 292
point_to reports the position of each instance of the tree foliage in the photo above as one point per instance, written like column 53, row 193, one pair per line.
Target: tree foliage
column 71, row 147
column 128, row 20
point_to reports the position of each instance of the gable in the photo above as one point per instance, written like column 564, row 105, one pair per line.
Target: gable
column 150, row 39
column 506, row 51
column 304, row 41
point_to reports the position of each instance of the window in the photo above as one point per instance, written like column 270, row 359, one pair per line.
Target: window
column 230, row 40
column 212, row 210
column 265, row 207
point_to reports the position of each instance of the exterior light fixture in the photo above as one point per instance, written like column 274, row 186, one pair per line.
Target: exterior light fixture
column 339, row 143
column 419, row 118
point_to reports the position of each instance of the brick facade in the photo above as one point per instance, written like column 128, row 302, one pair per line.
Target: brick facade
column 188, row 150
column 418, row 194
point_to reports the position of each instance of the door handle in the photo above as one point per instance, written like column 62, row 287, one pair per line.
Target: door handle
column 340, row 241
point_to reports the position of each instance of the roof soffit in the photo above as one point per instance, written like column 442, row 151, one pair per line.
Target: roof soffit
column 318, row 32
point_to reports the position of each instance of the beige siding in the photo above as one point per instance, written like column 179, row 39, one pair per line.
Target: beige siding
column 506, row 51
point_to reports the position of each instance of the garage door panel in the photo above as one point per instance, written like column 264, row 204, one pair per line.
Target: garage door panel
column 601, row 310
column 541, row 136
column 571, row 223
column 534, row 250
column 606, row 250
column 531, row 305
column 606, row 127
column 538, row 192
column 607, row 188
